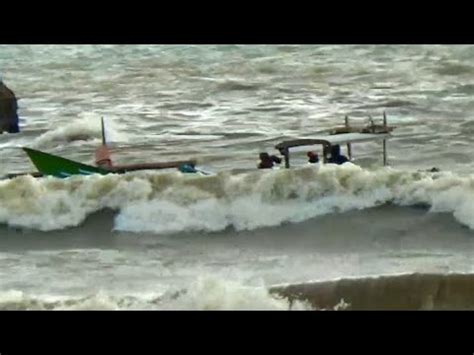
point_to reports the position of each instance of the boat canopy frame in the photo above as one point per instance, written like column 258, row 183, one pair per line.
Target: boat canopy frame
column 342, row 135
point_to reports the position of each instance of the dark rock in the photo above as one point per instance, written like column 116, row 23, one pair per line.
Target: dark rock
column 8, row 110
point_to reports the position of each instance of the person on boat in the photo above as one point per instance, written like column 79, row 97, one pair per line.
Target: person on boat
column 102, row 157
column 8, row 110
column 313, row 157
column 336, row 156
column 267, row 161
column 275, row 159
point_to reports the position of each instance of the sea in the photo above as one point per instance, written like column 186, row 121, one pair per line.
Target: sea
column 351, row 237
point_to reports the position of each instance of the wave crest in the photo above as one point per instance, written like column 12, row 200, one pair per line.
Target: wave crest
column 173, row 202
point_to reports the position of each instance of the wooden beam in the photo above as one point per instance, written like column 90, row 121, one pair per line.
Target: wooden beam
column 149, row 166
column 14, row 175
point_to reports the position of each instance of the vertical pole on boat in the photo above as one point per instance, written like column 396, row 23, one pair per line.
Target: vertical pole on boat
column 349, row 146
column 103, row 131
column 102, row 154
column 287, row 158
column 385, row 141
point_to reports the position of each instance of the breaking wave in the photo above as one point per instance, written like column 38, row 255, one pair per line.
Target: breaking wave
column 416, row 291
column 206, row 293
column 86, row 127
column 173, row 202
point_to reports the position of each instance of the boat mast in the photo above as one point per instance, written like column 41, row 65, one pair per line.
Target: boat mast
column 102, row 154
column 103, row 131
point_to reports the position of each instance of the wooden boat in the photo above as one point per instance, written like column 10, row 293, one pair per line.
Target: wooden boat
column 49, row 164
column 54, row 165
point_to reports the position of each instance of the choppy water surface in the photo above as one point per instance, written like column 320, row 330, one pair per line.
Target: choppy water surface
column 167, row 241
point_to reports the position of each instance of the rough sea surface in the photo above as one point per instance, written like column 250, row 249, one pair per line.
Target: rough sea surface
column 357, row 236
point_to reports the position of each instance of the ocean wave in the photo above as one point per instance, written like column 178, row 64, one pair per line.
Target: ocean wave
column 234, row 85
column 413, row 291
column 86, row 127
column 173, row 202
column 454, row 69
column 417, row 291
column 206, row 293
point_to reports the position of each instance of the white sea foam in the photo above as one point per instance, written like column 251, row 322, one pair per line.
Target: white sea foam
column 167, row 203
column 87, row 126
column 206, row 293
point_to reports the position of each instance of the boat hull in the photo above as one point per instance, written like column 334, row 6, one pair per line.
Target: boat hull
column 53, row 165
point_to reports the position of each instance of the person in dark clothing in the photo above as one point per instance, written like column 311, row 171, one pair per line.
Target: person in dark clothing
column 313, row 157
column 336, row 156
column 275, row 159
column 267, row 161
